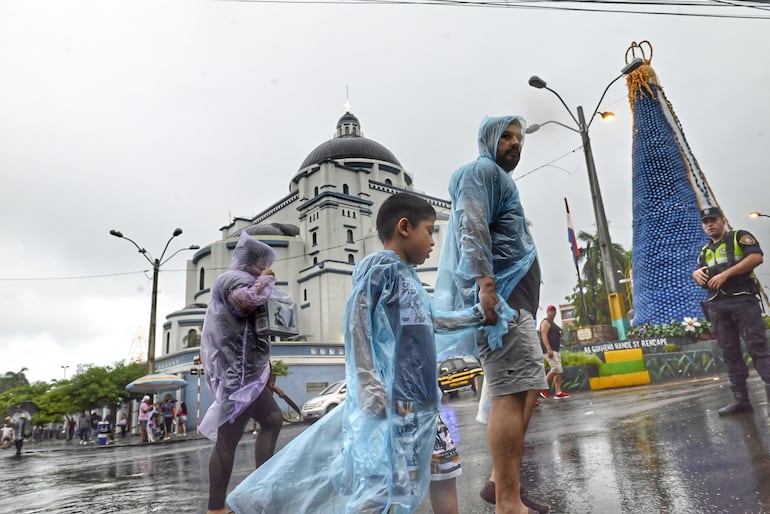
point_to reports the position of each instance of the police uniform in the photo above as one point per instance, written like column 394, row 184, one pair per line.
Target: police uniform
column 735, row 311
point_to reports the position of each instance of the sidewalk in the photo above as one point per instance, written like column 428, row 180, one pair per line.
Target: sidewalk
column 56, row 445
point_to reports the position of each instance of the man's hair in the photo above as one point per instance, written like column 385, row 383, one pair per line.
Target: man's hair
column 401, row 205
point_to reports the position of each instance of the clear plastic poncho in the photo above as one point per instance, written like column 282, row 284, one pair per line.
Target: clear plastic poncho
column 373, row 452
column 483, row 192
column 234, row 356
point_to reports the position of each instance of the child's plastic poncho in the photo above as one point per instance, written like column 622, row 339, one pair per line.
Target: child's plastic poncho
column 372, row 453
column 482, row 192
column 234, row 356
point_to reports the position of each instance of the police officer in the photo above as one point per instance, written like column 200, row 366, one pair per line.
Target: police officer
column 726, row 267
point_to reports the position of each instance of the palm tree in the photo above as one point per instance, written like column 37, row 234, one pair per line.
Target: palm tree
column 13, row 379
column 593, row 284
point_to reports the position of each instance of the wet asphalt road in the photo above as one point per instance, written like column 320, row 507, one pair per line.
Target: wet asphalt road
column 636, row 450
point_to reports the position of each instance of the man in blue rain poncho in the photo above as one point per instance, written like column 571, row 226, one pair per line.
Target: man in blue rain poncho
column 372, row 454
column 489, row 255
column 236, row 360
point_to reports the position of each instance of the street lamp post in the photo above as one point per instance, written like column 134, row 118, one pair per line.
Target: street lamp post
column 156, row 265
column 617, row 308
column 64, row 368
column 757, row 214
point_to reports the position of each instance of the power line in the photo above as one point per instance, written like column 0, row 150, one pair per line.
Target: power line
column 165, row 270
column 538, row 4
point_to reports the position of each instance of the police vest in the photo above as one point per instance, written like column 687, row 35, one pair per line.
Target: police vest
column 725, row 256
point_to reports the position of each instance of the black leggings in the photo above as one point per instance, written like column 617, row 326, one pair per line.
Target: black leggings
column 268, row 415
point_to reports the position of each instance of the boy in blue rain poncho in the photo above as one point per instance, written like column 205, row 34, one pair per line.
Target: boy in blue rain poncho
column 488, row 256
column 388, row 422
column 236, row 360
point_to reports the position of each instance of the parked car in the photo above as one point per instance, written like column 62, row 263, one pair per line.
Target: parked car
column 459, row 373
column 326, row 400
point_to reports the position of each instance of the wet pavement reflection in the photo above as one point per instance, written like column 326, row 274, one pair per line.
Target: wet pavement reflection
column 652, row 449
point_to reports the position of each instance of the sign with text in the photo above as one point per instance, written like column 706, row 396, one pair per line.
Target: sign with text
column 654, row 342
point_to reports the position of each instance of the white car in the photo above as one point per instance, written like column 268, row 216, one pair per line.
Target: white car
column 326, row 400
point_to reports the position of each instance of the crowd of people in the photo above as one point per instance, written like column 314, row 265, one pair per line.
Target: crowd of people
column 158, row 421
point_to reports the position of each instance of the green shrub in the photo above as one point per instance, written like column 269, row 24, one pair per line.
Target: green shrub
column 280, row 368
column 579, row 358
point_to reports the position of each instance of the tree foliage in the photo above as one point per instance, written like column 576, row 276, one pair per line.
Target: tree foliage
column 13, row 379
column 92, row 389
column 593, row 283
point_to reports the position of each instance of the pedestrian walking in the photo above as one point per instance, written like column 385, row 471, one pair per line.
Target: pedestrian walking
column 236, row 360
column 550, row 335
column 144, row 417
column 21, row 421
column 182, row 419
column 489, row 255
column 726, row 269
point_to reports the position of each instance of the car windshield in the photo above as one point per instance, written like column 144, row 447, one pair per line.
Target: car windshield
column 330, row 389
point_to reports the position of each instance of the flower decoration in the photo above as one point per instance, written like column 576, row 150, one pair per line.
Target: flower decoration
column 691, row 325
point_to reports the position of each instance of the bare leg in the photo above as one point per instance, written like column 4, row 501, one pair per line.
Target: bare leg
column 507, row 423
column 443, row 497
column 550, row 376
column 557, row 383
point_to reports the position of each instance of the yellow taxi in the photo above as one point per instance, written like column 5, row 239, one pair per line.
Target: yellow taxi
column 459, row 373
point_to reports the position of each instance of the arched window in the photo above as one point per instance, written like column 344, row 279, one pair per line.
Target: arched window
column 345, row 189
column 316, row 190
column 304, row 295
column 168, row 343
column 388, row 182
column 315, row 239
column 351, row 259
column 315, row 261
column 192, row 339
column 350, row 236
column 201, row 279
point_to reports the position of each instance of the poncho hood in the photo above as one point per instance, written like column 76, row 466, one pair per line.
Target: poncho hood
column 492, row 127
column 251, row 255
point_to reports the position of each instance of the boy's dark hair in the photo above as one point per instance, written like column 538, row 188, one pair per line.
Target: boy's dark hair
column 401, row 205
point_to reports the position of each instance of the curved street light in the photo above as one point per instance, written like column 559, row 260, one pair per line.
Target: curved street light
column 156, row 264
column 757, row 214
column 617, row 309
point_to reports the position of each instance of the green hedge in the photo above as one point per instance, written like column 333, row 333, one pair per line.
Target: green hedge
column 621, row 368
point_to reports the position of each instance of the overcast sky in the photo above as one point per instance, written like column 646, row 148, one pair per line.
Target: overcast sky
column 146, row 116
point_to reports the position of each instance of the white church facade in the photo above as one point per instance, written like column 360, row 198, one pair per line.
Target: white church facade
column 320, row 230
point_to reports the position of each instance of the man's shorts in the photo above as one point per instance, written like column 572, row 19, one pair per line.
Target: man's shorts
column 555, row 362
column 445, row 463
column 518, row 365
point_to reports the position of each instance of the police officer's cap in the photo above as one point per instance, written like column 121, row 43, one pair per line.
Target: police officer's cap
column 710, row 212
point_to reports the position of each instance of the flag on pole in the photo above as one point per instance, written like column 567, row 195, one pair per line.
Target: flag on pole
column 571, row 234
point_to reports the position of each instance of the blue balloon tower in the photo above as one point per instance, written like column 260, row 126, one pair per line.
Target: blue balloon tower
column 669, row 189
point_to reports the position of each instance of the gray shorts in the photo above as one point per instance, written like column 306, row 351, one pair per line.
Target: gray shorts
column 518, row 365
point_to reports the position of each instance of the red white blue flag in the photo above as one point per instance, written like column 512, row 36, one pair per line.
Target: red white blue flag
column 571, row 234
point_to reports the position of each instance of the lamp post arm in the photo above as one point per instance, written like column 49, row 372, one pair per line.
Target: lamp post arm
column 573, row 129
column 193, row 247
column 564, row 104
column 599, row 103
column 166, row 247
column 141, row 250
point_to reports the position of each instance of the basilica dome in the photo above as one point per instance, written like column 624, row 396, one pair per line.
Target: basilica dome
column 348, row 143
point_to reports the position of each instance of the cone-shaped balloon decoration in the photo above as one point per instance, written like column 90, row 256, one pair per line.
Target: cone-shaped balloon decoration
column 669, row 189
